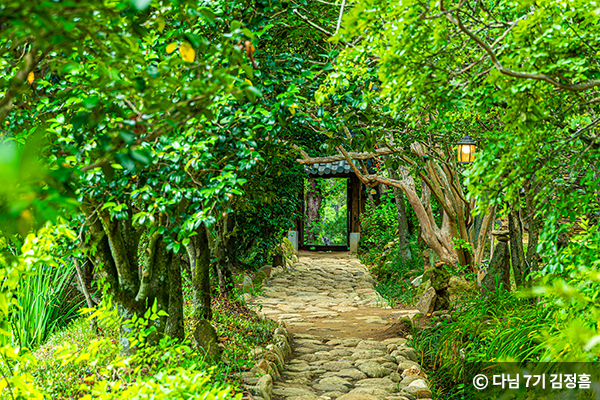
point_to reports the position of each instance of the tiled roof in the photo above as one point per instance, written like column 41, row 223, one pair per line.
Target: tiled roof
column 332, row 168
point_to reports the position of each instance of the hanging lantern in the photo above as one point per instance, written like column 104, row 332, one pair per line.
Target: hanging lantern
column 466, row 150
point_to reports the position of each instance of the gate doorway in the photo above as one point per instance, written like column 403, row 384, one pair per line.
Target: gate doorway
column 326, row 216
column 333, row 223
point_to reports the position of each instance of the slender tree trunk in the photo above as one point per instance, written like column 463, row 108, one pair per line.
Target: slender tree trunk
column 313, row 205
column 533, row 258
column 516, row 245
column 86, row 293
column 201, row 276
column 174, row 326
column 403, row 237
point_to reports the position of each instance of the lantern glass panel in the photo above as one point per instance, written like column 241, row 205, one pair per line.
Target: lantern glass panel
column 466, row 153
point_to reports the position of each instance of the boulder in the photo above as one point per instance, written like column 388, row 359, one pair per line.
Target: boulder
column 207, row 339
column 259, row 277
column 426, row 304
column 264, row 387
column 460, row 288
column 267, row 269
column 247, row 285
column 419, row 389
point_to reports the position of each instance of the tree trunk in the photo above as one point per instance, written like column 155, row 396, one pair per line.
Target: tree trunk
column 403, row 237
column 200, row 264
column 498, row 273
column 313, row 205
column 516, row 245
column 174, row 326
column 533, row 258
column 224, row 258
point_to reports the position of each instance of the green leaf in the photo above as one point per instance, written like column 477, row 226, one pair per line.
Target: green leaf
column 141, row 4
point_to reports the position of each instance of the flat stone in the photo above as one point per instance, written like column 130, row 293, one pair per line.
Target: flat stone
column 293, row 391
column 337, row 365
column 304, row 397
column 328, row 387
column 350, row 342
column 351, row 373
column 335, row 380
column 371, row 345
column 373, row 369
column 357, row 396
column 372, row 390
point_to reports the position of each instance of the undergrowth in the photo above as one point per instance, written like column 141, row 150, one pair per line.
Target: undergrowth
column 506, row 328
column 95, row 355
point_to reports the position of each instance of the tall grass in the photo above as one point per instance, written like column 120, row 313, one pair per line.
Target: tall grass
column 46, row 303
column 504, row 329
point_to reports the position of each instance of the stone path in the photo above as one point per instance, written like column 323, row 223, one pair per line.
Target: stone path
column 344, row 346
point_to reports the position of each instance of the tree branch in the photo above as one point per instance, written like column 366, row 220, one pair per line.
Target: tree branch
column 455, row 19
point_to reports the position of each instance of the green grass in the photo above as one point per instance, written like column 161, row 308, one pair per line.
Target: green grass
column 47, row 303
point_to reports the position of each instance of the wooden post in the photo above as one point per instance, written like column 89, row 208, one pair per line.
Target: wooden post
column 355, row 225
column 301, row 222
column 348, row 209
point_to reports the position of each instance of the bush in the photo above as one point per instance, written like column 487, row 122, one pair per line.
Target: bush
column 379, row 224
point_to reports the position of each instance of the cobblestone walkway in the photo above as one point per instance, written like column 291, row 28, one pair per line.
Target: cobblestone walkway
column 344, row 347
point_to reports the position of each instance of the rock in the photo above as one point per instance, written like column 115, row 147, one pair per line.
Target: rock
column 264, row 387
column 409, row 379
column 350, row 342
column 371, row 345
column 305, row 397
column 207, row 339
column 352, row 373
column 416, row 282
column 294, row 392
column 419, row 389
column 380, row 383
column 396, row 341
column 410, row 354
column 498, row 272
column 395, row 377
column 459, row 287
column 357, row 396
column 414, row 371
column 426, row 304
column 335, row 380
column 268, row 368
column 373, row 369
column 407, row 365
column 259, row 277
column 299, row 367
column 267, row 269
column 337, row 365
column 247, row 285
column 246, row 297
column 372, row 390
column 329, row 387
